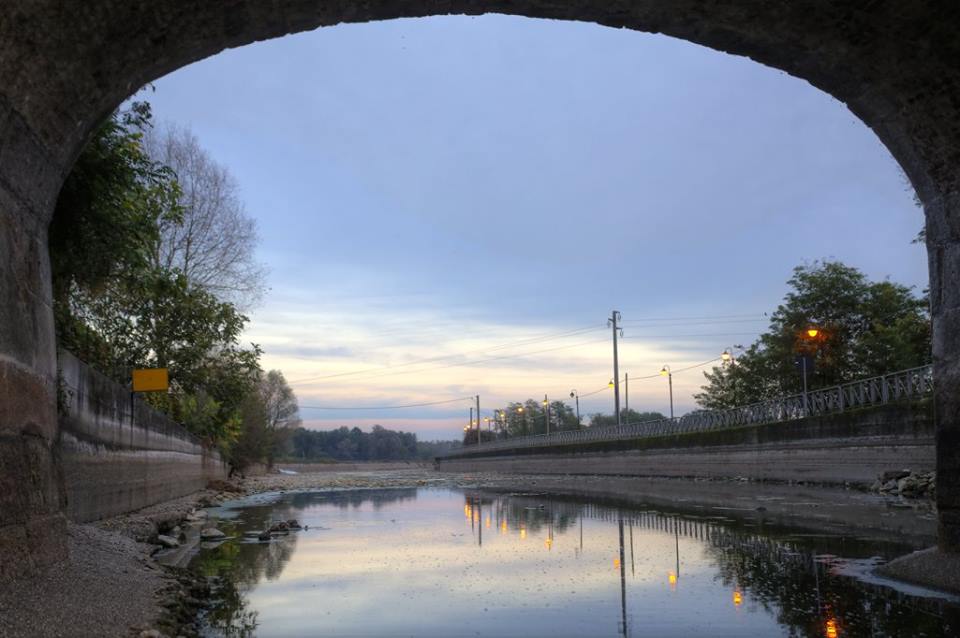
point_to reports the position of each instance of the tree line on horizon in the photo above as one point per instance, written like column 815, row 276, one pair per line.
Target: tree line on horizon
column 353, row 444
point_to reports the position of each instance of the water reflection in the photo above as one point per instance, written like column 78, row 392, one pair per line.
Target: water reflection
column 390, row 562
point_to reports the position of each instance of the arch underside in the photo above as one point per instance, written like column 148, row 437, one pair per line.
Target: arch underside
column 65, row 65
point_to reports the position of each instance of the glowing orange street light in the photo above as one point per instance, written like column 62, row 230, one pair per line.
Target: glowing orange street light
column 832, row 629
column 672, row 579
column 737, row 598
column 610, row 385
column 812, row 332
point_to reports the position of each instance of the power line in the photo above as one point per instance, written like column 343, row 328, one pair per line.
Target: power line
column 518, row 343
column 470, row 363
column 753, row 316
column 383, row 407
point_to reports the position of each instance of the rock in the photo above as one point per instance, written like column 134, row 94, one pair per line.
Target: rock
column 168, row 541
column 876, row 486
column 219, row 485
column 908, row 485
column 211, row 533
column 294, row 524
column 279, row 527
column 264, row 536
column 151, row 633
column 889, row 486
column 894, row 475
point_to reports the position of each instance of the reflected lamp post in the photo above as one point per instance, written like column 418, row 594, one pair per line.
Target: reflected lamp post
column 666, row 372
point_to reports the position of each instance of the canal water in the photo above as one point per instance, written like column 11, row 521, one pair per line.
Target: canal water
column 440, row 562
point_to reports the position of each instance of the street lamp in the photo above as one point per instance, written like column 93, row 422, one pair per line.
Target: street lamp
column 525, row 419
column 666, row 372
column 574, row 393
column 812, row 334
column 726, row 356
column 546, row 414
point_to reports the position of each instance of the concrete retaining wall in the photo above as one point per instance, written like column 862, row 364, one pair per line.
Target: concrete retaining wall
column 113, row 465
column 853, row 447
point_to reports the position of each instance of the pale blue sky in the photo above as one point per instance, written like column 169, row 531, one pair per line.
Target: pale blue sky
column 436, row 186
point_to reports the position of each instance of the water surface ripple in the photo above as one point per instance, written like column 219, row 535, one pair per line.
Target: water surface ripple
column 443, row 562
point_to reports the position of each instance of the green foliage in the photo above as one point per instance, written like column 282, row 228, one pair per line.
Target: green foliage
column 522, row 419
column 866, row 329
column 626, row 416
column 106, row 219
column 346, row 444
column 117, row 309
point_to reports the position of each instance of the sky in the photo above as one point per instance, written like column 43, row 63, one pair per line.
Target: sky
column 453, row 206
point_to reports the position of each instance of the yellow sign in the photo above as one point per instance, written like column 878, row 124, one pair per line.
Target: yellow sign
column 150, row 380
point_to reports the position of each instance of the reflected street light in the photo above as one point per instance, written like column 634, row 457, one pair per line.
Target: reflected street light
column 666, row 372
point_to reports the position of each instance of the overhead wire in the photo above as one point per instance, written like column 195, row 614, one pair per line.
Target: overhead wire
column 383, row 407
column 390, row 373
column 521, row 342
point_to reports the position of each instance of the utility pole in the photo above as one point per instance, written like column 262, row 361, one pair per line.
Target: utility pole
column 626, row 394
column 612, row 321
column 471, row 419
column 478, row 420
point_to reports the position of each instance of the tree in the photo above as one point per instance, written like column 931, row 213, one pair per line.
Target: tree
column 281, row 410
column 214, row 240
column 864, row 329
column 600, row 420
column 106, row 224
column 118, row 309
column 253, row 438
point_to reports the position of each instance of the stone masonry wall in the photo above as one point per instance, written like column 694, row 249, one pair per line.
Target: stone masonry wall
column 114, row 464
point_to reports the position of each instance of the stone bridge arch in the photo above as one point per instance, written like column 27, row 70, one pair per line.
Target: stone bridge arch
column 65, row 64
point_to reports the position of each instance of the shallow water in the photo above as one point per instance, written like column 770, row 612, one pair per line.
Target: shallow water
column 438, row 562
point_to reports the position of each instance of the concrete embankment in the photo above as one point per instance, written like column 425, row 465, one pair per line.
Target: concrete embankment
column 115, row 461
column 852, row 447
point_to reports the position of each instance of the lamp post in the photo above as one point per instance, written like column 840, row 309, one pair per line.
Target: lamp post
column 811, row 335
column 666, row 372
column 626, row 395
column 520, row 411
column 546, row 414
column 575, row 394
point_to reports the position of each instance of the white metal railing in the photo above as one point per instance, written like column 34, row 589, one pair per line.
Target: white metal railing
column 910, row 384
